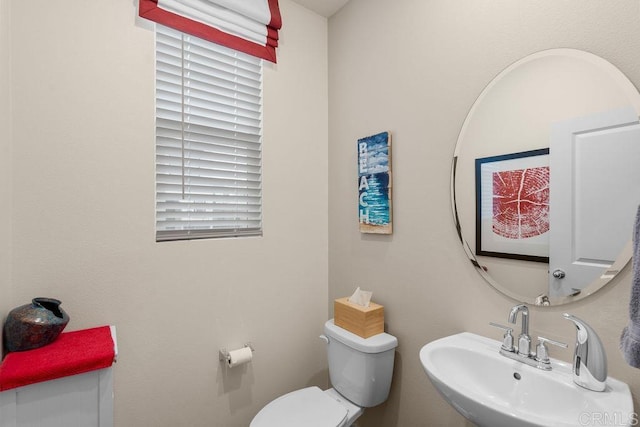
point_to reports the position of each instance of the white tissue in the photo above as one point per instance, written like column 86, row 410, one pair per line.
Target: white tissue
column 239, row 357
column 360, row 297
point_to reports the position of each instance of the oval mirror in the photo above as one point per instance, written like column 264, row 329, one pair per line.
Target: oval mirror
column 544, row 177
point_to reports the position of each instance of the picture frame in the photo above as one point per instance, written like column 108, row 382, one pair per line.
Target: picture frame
column 375, row 184
column 512, row 205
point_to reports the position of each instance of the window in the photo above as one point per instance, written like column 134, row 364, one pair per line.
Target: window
column 208, row 139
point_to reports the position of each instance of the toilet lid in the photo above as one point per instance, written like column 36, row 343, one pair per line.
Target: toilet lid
column 308, row 407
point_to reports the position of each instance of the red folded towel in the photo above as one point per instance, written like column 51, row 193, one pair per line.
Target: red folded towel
column 72, row 353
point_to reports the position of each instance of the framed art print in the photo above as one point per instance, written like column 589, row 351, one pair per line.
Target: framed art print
column 512, row 206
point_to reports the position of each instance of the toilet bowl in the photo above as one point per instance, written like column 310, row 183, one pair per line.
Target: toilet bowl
column 360, row 370
column 308, row 407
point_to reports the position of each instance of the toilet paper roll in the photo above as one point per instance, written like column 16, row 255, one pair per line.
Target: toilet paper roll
column 239, row 357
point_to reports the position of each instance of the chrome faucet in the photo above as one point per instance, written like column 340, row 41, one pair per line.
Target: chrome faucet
column 589, row 359
column 539, row 359
column 524, row 340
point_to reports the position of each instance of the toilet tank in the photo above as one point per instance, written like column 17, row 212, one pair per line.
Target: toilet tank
column 360, row 369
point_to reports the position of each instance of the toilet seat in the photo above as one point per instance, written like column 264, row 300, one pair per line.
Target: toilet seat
column 308, row 407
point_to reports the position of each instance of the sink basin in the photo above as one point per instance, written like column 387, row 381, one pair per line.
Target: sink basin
column 494, row 391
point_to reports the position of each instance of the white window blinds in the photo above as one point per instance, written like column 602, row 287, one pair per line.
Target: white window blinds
column 208, row 139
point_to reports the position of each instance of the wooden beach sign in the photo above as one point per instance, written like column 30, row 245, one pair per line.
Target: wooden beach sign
column 374, row 184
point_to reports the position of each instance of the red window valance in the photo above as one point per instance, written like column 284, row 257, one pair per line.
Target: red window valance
column 250, row 26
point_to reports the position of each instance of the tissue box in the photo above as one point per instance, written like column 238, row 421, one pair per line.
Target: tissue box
column 362, row 321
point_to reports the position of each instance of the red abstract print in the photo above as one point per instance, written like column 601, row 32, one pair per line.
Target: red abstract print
column 521, row 202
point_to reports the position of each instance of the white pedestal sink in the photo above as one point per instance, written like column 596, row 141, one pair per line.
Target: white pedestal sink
column 493, row 391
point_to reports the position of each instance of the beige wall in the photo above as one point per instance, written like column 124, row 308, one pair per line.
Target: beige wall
column 76, row 172
column 5, row 159
column 415, row 68
column 83, row 216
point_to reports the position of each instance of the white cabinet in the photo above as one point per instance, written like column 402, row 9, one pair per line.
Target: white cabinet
column 68, row 383
column 84, row 400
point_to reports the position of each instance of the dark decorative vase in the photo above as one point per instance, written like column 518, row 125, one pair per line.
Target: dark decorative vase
column 34, row 325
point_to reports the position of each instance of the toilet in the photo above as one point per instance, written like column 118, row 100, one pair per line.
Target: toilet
column 360, row 370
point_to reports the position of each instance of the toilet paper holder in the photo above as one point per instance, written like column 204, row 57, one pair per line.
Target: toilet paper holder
column 224, row 353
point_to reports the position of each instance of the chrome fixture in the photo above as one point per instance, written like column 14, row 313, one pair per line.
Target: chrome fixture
column 522, row 353
column 507, row 339
column 543, row 300
column 524, row 340
column 589, row 359
column 542, row 353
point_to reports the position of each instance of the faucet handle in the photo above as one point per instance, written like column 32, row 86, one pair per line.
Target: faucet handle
column 507, row 339
column 542, row 353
